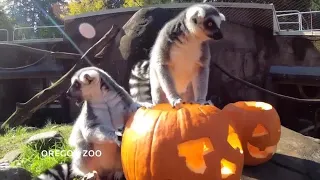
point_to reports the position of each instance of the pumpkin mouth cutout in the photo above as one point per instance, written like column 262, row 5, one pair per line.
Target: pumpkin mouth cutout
column 256, row 153
column 194, row 152
column 252, row 105
column 259, row 131
column 227, row 168
column 233, row 140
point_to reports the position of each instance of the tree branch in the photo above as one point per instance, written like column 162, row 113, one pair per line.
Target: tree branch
column 24, row 110
column 61, row 55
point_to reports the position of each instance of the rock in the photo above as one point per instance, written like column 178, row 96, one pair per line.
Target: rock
column 316, row 140
column 30, row 129
column 15, row 174
column 297, row 158
column 11, row 156
column 46, row 139
column 54, row 127
column 136, row 39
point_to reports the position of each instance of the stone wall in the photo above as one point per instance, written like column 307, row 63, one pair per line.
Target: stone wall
column 247, row 51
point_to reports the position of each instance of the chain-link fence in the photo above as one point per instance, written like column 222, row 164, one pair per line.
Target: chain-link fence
column 296, row 15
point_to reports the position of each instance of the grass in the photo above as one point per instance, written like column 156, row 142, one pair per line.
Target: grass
column 31, row 158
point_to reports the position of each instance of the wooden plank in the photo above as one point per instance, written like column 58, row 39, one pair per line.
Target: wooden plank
column 295, row 70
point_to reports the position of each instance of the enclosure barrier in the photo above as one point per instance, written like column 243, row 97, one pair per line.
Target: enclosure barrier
column 33, row 34
column 294, row 22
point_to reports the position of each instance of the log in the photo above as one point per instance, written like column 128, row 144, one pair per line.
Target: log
column 25, row 110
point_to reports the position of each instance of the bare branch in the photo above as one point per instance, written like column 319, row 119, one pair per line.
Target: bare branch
column 61, row 55
column 25, row 110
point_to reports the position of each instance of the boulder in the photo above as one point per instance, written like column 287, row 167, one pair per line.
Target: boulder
column 135, row 40
column 15, row 174
column 11, row 156
column 45, row 140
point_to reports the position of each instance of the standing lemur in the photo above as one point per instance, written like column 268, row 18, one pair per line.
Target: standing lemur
column 180, row 58
column 106, row 107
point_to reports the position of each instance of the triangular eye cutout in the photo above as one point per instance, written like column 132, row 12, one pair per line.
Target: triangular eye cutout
column 88, row 78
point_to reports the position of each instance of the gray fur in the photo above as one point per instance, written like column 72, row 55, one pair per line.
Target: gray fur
column 139, row 82
column 99, row 121
column 104, row 112
column 180, row 57
column 58, row 172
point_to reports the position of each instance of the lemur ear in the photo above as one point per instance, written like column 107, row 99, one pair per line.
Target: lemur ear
column 88, row 78
column 198, row 15
column 103, row 85
column 223, row 18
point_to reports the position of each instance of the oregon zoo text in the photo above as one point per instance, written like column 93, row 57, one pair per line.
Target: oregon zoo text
column 85, row 153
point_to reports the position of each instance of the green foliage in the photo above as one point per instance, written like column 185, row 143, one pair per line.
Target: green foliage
column 14, row 138
column 315, row 5
column 134, row 3
column 32, row 12
column 32, row 160
column 5, row 23
column 82, row 6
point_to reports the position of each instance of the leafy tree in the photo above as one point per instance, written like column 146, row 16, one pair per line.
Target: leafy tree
column 33, row 13
column 134, row 3
column 5, row 23
column 82, row 6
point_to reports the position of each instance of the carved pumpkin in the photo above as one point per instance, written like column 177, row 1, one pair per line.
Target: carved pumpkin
column 193, row 142
column 259, row 128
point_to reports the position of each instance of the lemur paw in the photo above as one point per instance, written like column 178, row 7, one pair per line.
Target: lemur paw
column 147, row 105
column 177, row 103
column 91, row 176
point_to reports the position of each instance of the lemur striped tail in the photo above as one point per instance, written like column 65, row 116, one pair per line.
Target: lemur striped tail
column 58, row 172
column 139, row 82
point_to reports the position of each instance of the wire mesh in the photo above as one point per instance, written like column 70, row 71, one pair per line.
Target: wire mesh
column 292, row 15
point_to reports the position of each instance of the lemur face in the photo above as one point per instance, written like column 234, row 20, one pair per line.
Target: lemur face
column 211, row 26
column 85, row 86
column 206, row 21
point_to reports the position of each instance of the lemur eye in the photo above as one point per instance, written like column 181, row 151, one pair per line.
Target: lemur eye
column 194, row 20
column 210, row 23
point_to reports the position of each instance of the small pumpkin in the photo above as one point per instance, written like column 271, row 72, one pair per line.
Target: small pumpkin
column 259, row 127
column 193, row 142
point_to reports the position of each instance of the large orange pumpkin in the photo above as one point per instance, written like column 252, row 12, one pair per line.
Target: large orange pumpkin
column 193, row 142
column 259, row 128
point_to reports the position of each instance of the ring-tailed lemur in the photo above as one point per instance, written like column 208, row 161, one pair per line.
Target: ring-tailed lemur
column 104, row 112
column 139, row 82
column 180, row 57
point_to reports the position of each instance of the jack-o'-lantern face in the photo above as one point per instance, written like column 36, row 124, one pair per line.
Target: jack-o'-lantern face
column 259, row 128
column 193, row 142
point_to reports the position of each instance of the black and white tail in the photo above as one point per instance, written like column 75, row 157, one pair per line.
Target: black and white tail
column 58, row 172
column 139, row 82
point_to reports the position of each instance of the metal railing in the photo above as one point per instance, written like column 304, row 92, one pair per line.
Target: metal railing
column 34, row 29
column 7, row 33
column 303, row 20
column 32, row 32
